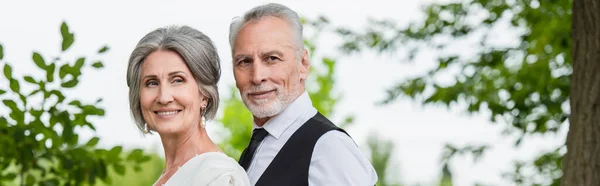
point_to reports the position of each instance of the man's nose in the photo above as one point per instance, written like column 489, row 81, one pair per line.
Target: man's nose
column 260, row 73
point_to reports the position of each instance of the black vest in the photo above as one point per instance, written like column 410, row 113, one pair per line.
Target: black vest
column 290, row 165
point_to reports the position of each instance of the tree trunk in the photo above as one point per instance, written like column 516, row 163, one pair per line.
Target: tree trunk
column 582, row 161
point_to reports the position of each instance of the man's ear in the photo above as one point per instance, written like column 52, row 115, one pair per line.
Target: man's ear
column 304, row 64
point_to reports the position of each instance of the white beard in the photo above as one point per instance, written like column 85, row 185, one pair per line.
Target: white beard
column 262, row 108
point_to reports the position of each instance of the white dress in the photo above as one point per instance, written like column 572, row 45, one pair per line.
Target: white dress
column 210, row 169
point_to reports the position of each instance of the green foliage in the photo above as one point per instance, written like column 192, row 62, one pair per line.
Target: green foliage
column 320, row 84
column 1, row 52
column 103, row 50
column 446, row 179
column 524, row 86
column 97, row 65
column 238, row 120
column 381, row 153
column 547, row 164
column 39, row 139
column 137, row 174
column 67, row 36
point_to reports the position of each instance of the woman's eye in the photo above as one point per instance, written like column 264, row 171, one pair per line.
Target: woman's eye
column 178, row 80
column 151, row 84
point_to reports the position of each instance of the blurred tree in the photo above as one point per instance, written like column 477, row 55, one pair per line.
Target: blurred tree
column 143, row 174
column 582, row 161
column 39, row 142
column 524, row 85
column 381, row 154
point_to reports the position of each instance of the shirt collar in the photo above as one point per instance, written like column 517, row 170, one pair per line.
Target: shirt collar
column 278, row 124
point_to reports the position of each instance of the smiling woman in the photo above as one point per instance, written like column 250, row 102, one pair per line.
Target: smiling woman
column 172, row 77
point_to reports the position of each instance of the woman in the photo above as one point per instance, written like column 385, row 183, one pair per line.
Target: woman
column 172, row 78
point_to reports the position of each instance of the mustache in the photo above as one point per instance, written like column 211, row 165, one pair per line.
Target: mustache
column 260, row 88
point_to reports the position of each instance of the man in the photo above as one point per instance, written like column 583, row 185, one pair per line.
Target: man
column 292, row 144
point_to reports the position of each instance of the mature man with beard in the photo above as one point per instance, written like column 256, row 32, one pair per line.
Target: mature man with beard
column 292, row 144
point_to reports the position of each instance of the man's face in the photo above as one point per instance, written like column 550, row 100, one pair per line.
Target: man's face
column 269, row 69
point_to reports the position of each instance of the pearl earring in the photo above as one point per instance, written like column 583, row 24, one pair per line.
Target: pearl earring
column 146, row 129
column 203, row 118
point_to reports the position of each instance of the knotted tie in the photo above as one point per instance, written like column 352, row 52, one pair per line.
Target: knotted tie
column 257, row 136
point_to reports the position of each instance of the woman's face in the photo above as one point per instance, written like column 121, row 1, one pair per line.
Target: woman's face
column 170, row 98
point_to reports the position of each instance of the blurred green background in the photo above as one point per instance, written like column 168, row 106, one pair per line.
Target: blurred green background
column 521, row 86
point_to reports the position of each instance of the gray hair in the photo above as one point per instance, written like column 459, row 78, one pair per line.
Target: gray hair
column 197, row 51
column 271, row 9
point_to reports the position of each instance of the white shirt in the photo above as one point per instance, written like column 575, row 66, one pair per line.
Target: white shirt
column 336, row 160
column 210, row 169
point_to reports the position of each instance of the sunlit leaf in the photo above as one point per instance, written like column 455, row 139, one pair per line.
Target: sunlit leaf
column 92, row 142
column 103, row 49
column 30, row 79
column 1, row 52
column 98, row 65
column 67, row 36
column 70, row 84
column 50, row 72
column 39, row 60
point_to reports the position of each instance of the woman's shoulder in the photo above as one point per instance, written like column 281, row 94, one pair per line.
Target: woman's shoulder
column 215, row 168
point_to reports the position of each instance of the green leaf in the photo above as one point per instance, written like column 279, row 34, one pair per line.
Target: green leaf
column 79, row 63
column 135, row 155
column 2, row 92
column 39, row 60
column 98, row 65
column 68, row 37
column 103, row 49
column 23, row 99
column 92, row 142
column 92, row 110
column 14, row 86
column 64, row 70
column 36, row 113
column 75, row 103
column 30, row 180
column 10, row 176
column 70, row 84
column 34, row 92
column 11, row 104
column 7, row 71
column 59, row 95
column 42, row 86
column 50, row 72
column 119, row 169
column 113, row 154
column 51, row 182
column 1, row 52
column 30, row 79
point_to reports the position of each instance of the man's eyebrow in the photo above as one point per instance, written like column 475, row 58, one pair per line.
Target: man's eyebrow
column 270, row 53
column 241, row 56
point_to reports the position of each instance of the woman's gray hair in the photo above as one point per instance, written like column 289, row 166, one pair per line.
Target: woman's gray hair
column 271, row 9
column 197, row 51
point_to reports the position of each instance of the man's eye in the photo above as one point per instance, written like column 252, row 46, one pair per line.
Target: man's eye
column 272, row 58
column 244, row 61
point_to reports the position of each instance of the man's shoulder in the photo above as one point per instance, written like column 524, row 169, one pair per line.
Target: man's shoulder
column 334, row 140
column 335, row 157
